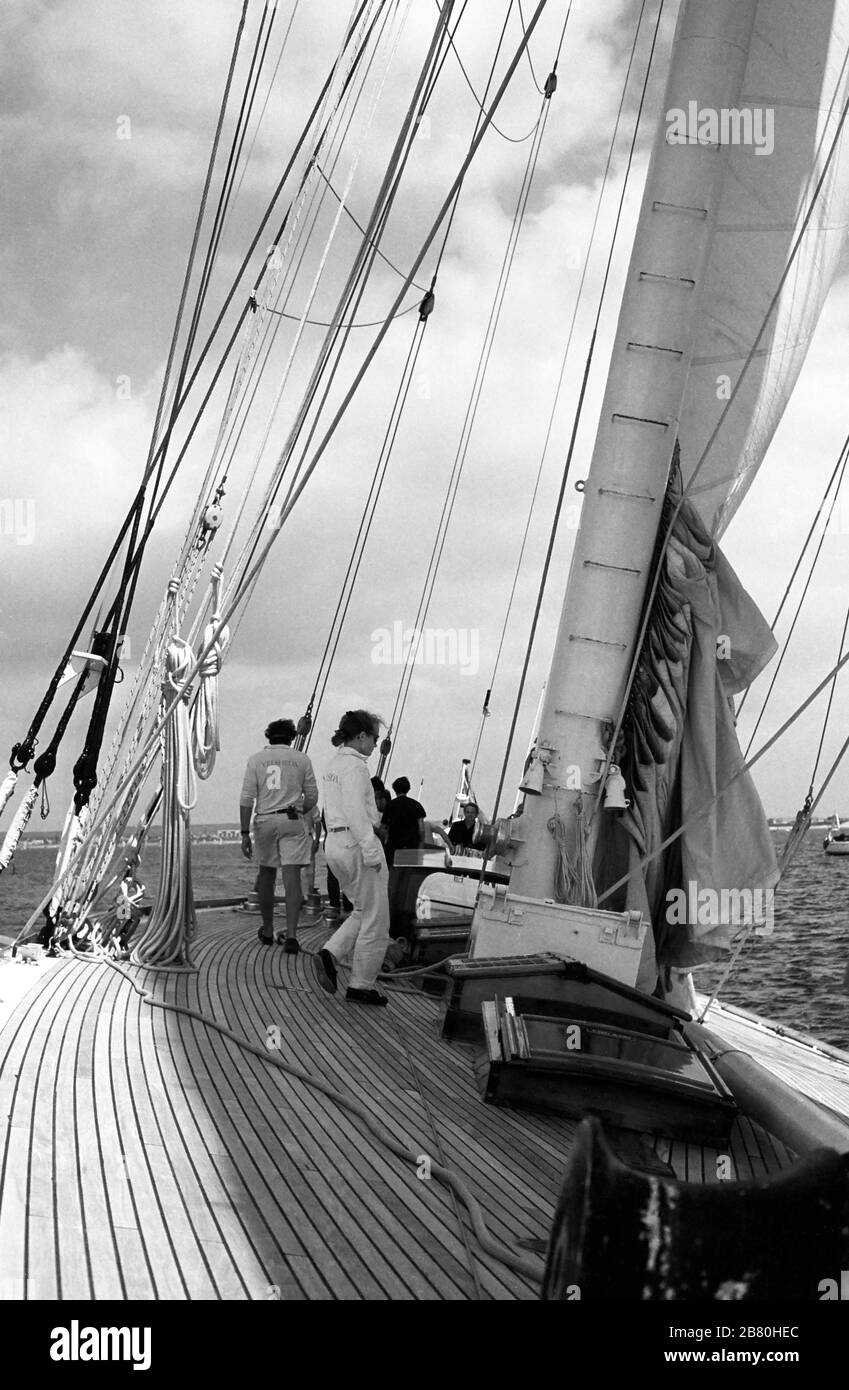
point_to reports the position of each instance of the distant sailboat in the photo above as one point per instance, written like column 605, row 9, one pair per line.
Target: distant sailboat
column 837, row 839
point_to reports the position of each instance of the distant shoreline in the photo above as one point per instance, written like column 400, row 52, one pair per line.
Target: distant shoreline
column 226, row 835
column 199, row 837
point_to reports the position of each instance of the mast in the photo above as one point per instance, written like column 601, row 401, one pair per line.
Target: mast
column 624, row 492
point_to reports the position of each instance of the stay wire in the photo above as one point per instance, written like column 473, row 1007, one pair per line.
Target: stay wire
column 357, row 281
column 485, row 713
column 798, row 565
column 338, row 138
column 513, row 139
column 321, row 323
column 257, row 282
column 285, row 292
column 28, row 744
column 830, row 701
column 528, row 51
column 478, row 383
column 217, row 226
column 347, row 210
column 271, row 83
column 361, row 230
column 468, row 424
column 237, row 141
column 579, row 407
column 842, row 462
column 106, row 808
column 365, row 525
column 746, row 765
column 384, row 454
column 85, row 769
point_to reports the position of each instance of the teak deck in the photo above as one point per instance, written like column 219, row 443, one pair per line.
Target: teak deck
column 146, row 1156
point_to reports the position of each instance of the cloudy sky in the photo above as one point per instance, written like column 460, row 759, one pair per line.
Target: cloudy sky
column 108, row 112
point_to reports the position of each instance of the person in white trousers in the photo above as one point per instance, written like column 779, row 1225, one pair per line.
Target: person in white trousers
column 355, row 855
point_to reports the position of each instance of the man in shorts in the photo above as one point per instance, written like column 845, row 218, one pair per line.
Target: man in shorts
column 280, row 782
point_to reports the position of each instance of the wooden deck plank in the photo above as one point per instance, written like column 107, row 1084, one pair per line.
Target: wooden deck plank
column 401, row 1061
column 479, row 1133
column 42, row 1272
column 98, row 1226
column 241, row 1274
column 391, row 1276
column 41, row 1017
column 240, row 1182
column 74, row 1264
column 154, row 1171
column 133, row 1257
column 287, row 1186
column 400, row 1057
column 370, row 1160
column 13, row 1213
column 246, row 1184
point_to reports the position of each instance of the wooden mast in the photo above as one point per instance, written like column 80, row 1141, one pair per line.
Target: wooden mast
column 625, row 488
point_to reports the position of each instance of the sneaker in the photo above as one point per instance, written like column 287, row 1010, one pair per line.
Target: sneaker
column 291, row 945
column 325, row 967
column 366, row 996
column 266, row 940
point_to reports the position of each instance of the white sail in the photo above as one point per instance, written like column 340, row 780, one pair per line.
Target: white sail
column 793, row 92
column 717, row 228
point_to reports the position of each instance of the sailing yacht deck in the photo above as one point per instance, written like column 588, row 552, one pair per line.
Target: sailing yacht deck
column 812, row 1067
column 148, row 1156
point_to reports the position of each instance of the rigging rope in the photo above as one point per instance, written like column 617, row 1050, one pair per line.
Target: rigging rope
column 321, row 323
column 801, row 556
column 364, row 528
column 746, row 766
column 485, row 712
column 173, row 924
column 579, row 407
column 201, row 502
column 232, row 602
column 361, row 229
column 841, row 464
column 528, row 51
column 348, row 304
column 381, row 467
column 514, row 139
column 22, row 752
column 476, row 393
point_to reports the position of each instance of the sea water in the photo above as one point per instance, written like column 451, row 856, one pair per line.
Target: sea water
column 795, row 976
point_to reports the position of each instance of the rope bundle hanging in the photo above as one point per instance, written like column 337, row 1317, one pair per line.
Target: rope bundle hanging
column 10, row 781
column 18, row 826
column 205, row 735
column 173, row 923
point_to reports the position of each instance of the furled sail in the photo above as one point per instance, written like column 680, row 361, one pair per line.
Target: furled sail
column 694, row 825
column 780, row 138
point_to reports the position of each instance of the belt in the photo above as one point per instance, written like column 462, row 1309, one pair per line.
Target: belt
column 264, row 815
column 334, row 829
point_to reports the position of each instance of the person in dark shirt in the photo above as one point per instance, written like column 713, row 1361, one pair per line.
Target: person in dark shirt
column 461, row 831
column 382, row 799
column 405, row 819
